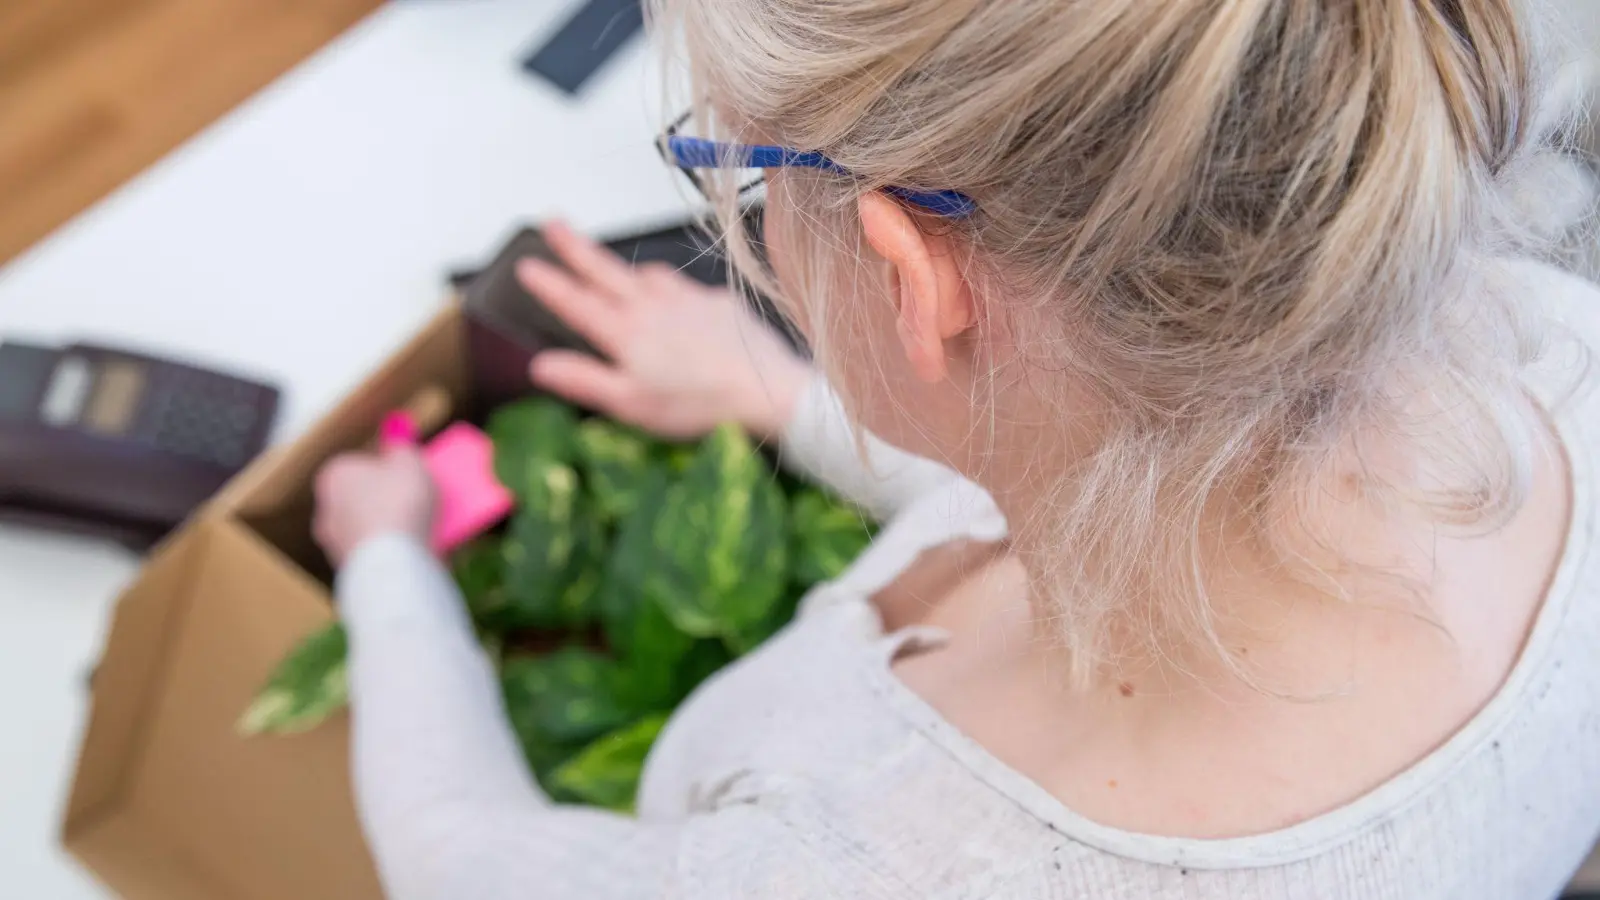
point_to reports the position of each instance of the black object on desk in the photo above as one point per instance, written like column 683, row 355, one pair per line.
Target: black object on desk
column 592, row 36
column 507, row 325
column 100, row 441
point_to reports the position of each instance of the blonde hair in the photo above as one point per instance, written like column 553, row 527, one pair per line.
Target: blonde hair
column 1240, row 223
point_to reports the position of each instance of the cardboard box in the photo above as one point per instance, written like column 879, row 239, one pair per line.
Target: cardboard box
column 1588, row 877
column 169, row 802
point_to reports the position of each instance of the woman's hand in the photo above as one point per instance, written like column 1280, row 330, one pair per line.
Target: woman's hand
column 684, row 357
column 363, row 495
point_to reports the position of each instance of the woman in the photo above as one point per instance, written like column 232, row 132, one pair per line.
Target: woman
column 1280, row 581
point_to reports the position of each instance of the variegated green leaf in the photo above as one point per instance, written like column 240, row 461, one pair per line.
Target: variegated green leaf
column 552, row 553
column 544, row 757
column 564, row 697
column 480, row 572
column 617, row 465
column 722, row 533
column 523, row 708
column 827, row 536
column 678, row 457
column 539, row 428
column 308, row 686
column 580, row 599
column 636, row 627
column 782, row 612
column 703, row 660
column 606, row 773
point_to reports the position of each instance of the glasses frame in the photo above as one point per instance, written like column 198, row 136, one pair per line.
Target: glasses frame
column 691, row 154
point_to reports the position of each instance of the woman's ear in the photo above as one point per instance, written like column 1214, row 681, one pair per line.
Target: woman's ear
column 933, row 301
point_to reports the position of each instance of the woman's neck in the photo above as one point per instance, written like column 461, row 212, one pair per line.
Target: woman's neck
column 1331, row 556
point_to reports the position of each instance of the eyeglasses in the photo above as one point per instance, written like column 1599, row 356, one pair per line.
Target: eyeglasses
column 690, row 154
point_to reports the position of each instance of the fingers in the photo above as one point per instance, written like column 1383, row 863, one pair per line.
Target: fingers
column 403, row 457
column 327, row 490
column 659, row 280
column 334, row 472
column 582, row 379
column 658, row 275
column 586, row 311
column 346, row 472
column 592, row 262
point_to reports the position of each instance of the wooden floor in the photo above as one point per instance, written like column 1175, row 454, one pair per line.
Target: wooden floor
column 93, row 91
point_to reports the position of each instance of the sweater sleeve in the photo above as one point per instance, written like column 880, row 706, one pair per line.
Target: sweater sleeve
column 444, row 796
column 820, row 442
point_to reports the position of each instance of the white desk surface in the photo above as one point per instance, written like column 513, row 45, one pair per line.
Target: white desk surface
column 301, row 238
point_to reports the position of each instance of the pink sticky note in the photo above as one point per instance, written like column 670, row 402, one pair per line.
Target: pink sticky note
column 471, row 499
column 460, row 460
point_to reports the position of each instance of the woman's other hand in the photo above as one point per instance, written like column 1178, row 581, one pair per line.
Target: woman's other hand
column 362, row 495
column 684, row 357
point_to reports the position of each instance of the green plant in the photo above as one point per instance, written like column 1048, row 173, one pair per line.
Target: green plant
column 648, row 565
column 606, row 773
column 307, row 686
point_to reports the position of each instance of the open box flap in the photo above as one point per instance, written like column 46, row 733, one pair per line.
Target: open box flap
column 273, row 495
column 130, row 854
column 214, row 812
column 129, row 674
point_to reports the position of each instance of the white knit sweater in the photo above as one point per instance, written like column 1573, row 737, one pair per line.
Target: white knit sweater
column 808, row 771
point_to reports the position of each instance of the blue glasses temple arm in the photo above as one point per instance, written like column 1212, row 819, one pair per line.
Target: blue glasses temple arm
column 703, row 153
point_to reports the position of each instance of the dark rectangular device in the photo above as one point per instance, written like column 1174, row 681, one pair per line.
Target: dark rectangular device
column 507, row 325
column 101, row 441
column 594, row 34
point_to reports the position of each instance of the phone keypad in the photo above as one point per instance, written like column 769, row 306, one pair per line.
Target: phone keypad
column 202, row 416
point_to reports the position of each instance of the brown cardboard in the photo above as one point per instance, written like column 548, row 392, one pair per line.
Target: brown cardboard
column 1588, row 877
column 274, row 496
column 169, row 802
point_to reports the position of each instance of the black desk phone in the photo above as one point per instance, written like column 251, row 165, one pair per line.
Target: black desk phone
column 122, row 445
